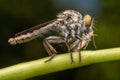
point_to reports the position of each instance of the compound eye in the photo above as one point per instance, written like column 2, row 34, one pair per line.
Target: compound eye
column 87, row 20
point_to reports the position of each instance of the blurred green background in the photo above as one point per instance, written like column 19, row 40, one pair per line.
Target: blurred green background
column 17, row 15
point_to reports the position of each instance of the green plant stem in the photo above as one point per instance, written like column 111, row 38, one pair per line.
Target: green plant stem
column 59, row 63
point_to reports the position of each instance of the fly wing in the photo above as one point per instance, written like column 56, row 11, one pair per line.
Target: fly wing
column 40, row 29
column 34, row 32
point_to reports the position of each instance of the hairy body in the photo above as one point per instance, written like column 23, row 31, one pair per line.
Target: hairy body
column 70, row 24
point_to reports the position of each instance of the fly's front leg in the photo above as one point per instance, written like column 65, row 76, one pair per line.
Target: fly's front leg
column 76, row 46
column 50, row 50
column 79, row 44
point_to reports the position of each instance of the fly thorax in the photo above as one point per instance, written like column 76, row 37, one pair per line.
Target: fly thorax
column 64, row 31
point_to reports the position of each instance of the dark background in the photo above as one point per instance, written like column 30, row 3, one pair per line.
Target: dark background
column 17, row 15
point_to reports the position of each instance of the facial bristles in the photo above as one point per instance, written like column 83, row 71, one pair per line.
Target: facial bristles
column 87, row 20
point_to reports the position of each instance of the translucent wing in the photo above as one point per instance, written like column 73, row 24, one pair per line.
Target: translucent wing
column 40, row 27
column 34, row 32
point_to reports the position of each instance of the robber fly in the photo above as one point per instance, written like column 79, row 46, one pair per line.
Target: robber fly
column 70, row 24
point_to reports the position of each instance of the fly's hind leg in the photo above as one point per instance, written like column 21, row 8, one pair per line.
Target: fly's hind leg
column 50, row 50
column 47, row 44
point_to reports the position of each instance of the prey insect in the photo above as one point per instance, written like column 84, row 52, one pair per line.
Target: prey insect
column 70, row 24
